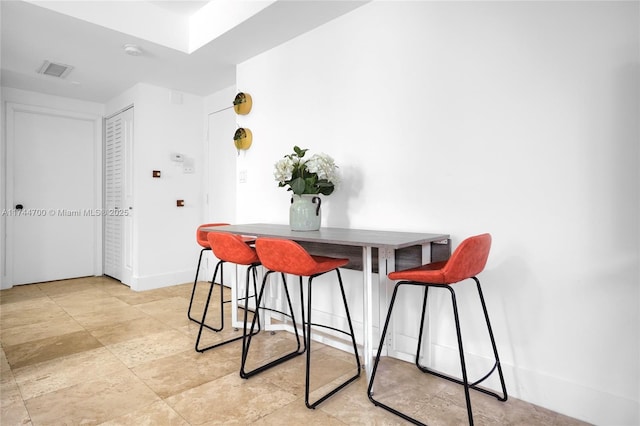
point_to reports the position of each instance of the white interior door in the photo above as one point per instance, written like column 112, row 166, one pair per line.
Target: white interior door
column 221, row 161
column 220, row 175
column 54, row 228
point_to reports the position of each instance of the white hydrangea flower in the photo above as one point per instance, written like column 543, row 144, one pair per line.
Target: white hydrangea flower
column 316, row 175
column 324, row 166
column 283, row 170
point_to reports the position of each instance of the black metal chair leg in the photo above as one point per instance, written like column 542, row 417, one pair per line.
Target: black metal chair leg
column 304, row 329
column 206, row 308
column 465, row 380
column 247, row 338
column 474, row 385
column 495, row 350
column 370, row 392
column 308, row 345
column 463, row 365
column 195, row 284
column 254, row 272
column 466, row 262
column 424, row 310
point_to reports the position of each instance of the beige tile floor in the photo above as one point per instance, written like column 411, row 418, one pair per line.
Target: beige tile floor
column 91, row 351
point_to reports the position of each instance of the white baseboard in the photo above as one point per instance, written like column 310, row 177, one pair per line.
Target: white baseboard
column 554, row 393
column 150, row 282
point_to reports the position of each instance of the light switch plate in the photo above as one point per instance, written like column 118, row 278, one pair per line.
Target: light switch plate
column 188, row 166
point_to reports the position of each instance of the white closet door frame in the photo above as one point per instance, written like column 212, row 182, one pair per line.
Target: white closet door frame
column 118, row 218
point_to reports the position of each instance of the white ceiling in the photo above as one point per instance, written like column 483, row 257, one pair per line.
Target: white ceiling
column 184, row 7
column 31, row 34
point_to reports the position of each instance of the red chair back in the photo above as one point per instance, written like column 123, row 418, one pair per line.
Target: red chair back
column 232, row 248
column 291, row 258
column 285, row 256
column 468, row 259
column 201, row 236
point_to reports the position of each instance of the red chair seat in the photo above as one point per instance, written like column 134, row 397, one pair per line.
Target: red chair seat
column 429, row 273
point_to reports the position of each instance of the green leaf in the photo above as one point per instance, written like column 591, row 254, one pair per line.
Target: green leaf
column 325, row 187
column 310, row 184
column 299, row 152
column 298, row 185
column 326, row 191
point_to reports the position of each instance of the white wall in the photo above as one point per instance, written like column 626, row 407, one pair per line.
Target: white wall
column 514, row 118
column 220, row 152
column 165, row 251
column 57, row 103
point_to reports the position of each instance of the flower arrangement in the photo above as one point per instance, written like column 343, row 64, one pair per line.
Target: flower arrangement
column 317, row 175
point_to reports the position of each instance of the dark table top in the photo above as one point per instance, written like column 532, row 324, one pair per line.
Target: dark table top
column 341, row 236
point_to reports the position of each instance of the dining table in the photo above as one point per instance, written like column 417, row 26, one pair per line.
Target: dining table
column 371, row 251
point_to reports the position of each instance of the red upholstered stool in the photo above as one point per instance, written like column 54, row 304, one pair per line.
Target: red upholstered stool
column 467, row 261
column 233, row 249
column 288, row 257
column 201, row 239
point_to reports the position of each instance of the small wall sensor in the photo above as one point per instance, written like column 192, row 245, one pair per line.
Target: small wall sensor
column 179, row 158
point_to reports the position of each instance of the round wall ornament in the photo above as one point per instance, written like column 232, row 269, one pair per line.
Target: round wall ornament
column 242, row 103
column 242, row 138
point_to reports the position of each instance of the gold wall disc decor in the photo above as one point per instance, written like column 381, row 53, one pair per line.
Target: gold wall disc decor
column 242, row 138
column 242, row 103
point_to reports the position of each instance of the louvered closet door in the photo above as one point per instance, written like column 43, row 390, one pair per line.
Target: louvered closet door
column 117, row 215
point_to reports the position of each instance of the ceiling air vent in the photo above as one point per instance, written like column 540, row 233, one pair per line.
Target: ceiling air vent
column 55, row 70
